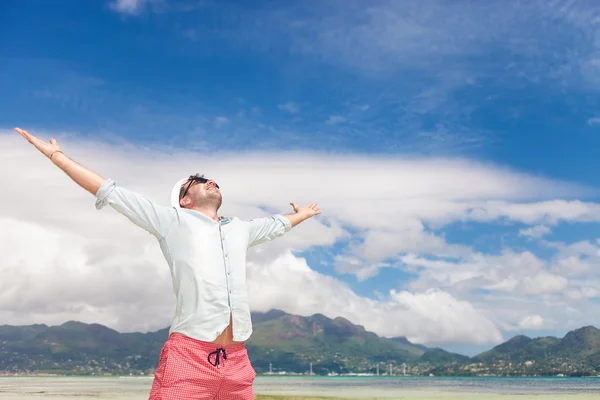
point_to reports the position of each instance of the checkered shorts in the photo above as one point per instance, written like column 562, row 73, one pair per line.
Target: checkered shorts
column 192, row 369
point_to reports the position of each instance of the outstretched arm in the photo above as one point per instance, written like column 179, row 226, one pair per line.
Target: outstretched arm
column 84, row 177
column 141, row 211
column 302, row 213
column 269, row 228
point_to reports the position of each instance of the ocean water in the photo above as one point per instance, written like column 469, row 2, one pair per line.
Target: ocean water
column 408, row 388
column 466, row 385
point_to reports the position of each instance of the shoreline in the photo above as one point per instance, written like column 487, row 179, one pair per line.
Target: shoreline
column 299, row 376
column 436, row 396
column 299, row 388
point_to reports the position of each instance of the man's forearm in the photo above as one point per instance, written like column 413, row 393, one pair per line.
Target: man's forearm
column 296, row 218
column 84, row 177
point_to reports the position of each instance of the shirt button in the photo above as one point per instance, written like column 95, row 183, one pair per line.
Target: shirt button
column 230, row 291
column 228, row 272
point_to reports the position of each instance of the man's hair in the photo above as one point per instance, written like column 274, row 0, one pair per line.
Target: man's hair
column 182, row 188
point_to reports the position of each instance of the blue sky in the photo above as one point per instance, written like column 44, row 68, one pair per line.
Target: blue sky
column 506, row 90
column 86, row 67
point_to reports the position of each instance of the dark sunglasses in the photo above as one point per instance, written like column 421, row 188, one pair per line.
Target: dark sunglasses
column 198, row 179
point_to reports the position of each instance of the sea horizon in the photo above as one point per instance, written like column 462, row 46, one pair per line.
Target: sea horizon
column 278, row 387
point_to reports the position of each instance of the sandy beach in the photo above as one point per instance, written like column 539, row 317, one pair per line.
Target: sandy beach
column 55, row 388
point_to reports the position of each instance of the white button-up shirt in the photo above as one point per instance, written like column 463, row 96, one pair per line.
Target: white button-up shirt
column 207, row 259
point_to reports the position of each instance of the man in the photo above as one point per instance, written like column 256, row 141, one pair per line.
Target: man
column 204, row 357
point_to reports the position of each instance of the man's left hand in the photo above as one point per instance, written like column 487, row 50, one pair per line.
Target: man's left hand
column 308, row 211
column 303, row 213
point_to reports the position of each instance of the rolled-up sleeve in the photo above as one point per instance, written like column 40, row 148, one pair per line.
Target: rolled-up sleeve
column 140, row 210
column 267, row 228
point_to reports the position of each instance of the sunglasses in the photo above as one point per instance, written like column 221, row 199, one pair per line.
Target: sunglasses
column 198, row 179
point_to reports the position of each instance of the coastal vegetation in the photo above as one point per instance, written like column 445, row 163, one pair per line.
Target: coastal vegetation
column 285, row 344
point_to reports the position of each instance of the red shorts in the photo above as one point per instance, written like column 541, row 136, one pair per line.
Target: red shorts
column 192, row 369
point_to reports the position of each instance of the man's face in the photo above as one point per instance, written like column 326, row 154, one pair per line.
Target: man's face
column 204, row 194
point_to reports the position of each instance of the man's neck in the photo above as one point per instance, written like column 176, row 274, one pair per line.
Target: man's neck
column 210, row 213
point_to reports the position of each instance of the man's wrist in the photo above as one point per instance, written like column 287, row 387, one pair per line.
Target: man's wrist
column 302, row 216
column 56, row 155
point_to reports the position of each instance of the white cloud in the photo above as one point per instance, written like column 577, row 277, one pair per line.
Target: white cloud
column 221, row 121
column 531, row 322
column 508, row 284
column 497, row 273
column 583, row 293
column 442, row 310
column 572, row 265
column 385, row 208
column 547, row 212
column 544, row 282
column 335, row 119
column 400, row 35
column 397, row 37
column 52, row 274
column 535, row 232
column 290, row 107
column 128, row 6
column 593, row 121
column 431, row 316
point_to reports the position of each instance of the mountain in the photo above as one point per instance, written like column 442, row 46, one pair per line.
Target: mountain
column 76, row 346
column 287, row 342
column 440, row 356
column 585, row 341
column 519, row 348
column 258, row 317
column 290, row 343
column 580, row 343
column 577, row 353
column 416, row 349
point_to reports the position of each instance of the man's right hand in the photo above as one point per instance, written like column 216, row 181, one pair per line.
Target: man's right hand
column 48, row 149
column 84, row 177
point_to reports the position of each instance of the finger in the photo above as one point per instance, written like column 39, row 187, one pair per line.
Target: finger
column 294, row 205
column 21, row 132
column 52, row 141
column 27, row 135
column 37, row 143
column 312, row 205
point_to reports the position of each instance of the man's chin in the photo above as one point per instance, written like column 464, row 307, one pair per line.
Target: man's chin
column 216, row 198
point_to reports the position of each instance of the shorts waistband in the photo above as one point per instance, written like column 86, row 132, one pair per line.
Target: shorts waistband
column 205, row 346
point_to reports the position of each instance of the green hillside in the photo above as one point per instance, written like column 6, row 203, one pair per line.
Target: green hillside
column 578, row 353
column 290, row 343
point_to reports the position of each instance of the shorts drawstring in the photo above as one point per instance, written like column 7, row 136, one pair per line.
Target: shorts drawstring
column 217, row 352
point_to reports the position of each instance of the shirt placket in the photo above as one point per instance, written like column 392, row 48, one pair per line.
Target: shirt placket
column 226, row 265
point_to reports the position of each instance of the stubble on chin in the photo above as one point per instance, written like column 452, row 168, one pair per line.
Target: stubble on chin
column 212, row 199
